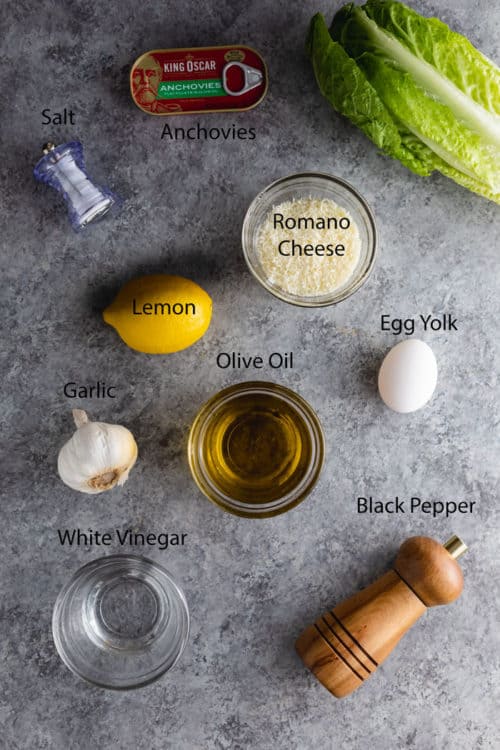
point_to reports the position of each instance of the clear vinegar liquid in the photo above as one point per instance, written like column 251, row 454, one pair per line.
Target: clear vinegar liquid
column 256, row 448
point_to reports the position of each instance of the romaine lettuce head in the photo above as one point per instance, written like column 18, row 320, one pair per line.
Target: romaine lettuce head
column 441, row 95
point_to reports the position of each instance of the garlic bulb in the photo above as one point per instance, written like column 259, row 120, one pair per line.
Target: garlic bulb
column 97, row 457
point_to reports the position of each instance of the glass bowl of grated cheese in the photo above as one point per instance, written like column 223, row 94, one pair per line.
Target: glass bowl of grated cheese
column 310, row 239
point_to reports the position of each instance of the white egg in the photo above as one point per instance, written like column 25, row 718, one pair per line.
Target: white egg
column 408, row 375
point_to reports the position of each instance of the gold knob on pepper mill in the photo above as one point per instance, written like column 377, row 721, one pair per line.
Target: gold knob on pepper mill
column 346, row 645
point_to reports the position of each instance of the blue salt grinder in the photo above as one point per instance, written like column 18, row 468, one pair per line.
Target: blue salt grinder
column 62, row 167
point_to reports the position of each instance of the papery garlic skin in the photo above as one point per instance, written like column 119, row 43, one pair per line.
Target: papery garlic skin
column 97, row 457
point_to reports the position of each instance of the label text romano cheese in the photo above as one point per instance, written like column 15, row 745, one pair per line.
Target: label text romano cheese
column 308, row 246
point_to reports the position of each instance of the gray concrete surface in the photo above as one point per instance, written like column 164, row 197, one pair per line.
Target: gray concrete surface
column 251, row 585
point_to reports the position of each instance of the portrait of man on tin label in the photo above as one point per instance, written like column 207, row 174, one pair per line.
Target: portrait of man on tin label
column 146, row 77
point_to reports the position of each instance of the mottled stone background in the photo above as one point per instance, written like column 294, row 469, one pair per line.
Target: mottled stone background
column 251, row 585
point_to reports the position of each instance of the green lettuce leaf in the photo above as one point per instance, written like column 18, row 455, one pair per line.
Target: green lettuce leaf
column 450, row 53
column 441, row 95
column 346, row 87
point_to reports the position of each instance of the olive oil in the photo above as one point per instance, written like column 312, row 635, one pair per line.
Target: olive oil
column 257, row 448
column 255, row 445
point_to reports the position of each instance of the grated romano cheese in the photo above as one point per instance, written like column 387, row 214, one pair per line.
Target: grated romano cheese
column 312, row 222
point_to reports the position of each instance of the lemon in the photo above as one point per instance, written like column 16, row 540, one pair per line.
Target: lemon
column 160, row 314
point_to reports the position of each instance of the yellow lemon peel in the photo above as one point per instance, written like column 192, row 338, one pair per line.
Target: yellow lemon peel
column 160, row 314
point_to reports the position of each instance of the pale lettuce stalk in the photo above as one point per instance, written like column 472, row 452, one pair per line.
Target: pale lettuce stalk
column 441, row 95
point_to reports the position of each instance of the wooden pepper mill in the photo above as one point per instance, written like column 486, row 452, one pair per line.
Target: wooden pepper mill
column 345, row 646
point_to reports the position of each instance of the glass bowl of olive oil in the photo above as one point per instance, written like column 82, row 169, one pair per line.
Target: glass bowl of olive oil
column 256, row 449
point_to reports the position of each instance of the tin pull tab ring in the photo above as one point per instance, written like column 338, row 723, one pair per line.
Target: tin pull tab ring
column 252, row 77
